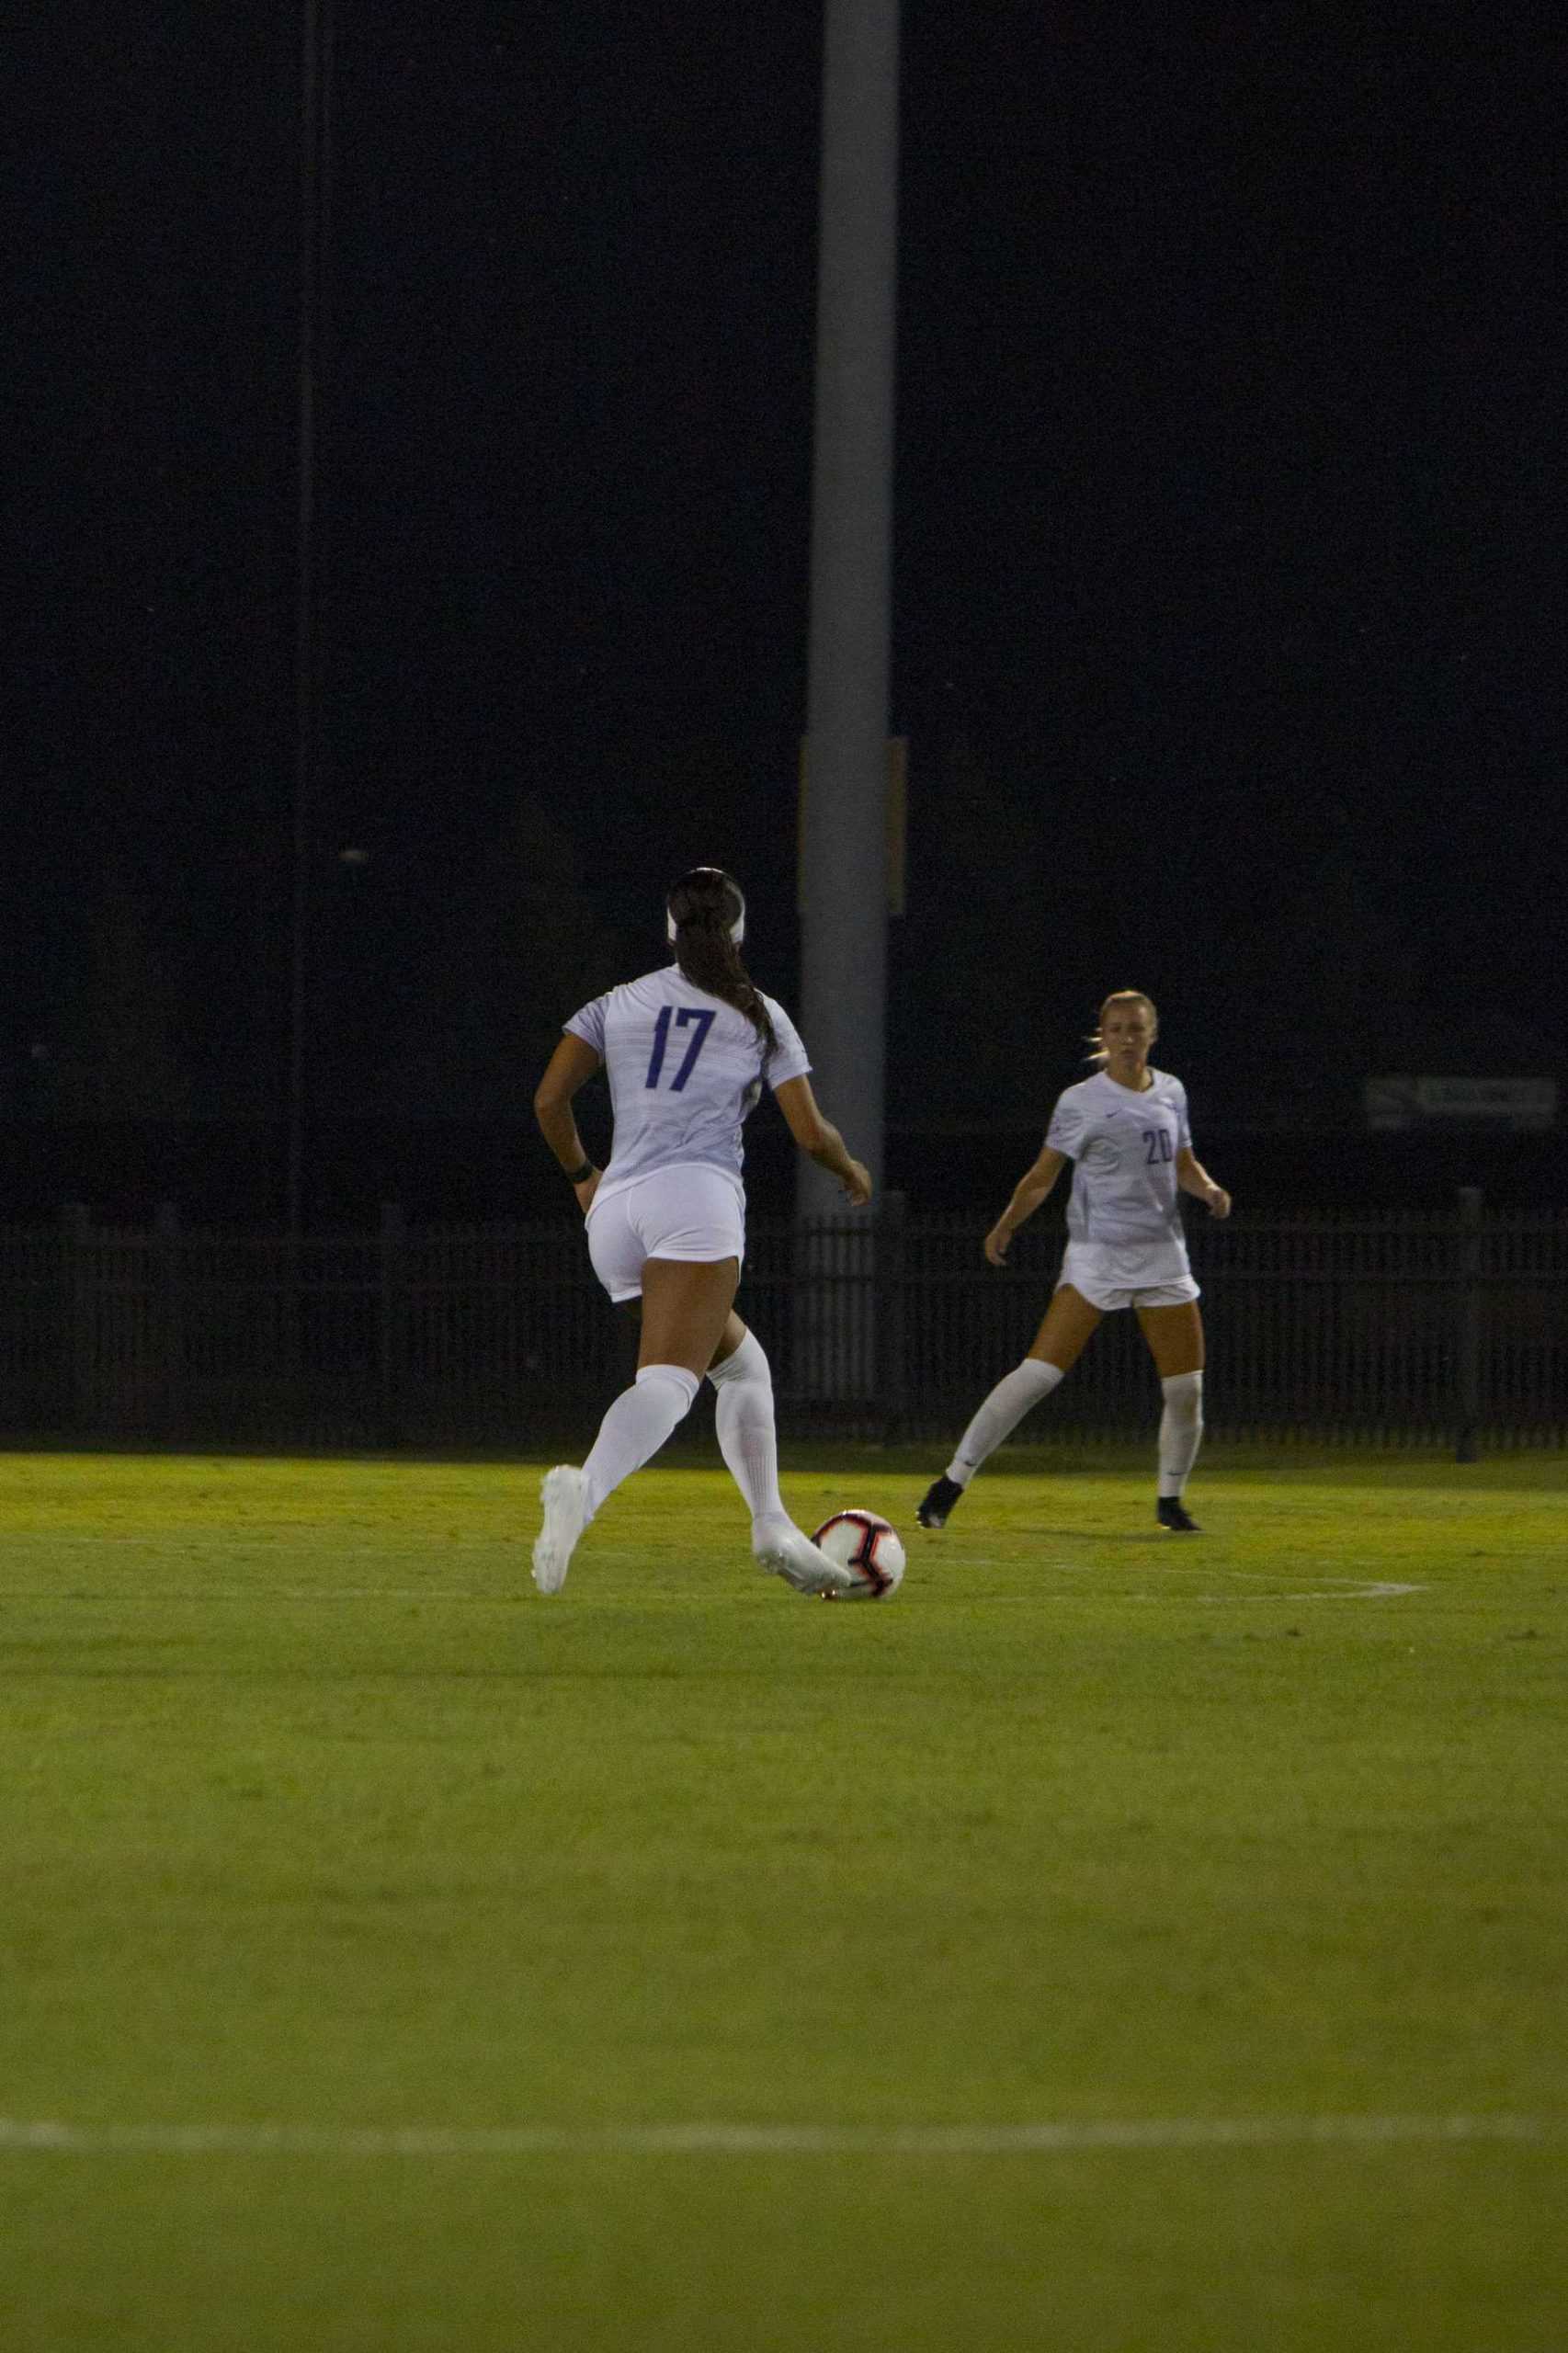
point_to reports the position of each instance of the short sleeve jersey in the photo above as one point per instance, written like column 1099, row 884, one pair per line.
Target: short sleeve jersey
column 685, row 1070
column 1123, row 1148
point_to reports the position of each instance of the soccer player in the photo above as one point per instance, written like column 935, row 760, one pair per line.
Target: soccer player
column 1126, row 1132
column 687, row 1050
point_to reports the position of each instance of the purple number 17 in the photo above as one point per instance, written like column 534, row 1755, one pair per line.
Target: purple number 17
column 695, row 1017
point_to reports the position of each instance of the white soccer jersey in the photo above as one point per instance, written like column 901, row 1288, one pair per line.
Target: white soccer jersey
column 684, row 1069
column 1123, row 1149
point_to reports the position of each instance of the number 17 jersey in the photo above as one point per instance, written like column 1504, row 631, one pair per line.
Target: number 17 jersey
column 685, row 1070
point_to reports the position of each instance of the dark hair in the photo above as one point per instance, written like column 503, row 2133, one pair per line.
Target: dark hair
column 703, row 906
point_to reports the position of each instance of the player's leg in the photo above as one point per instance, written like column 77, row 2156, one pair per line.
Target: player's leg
column 684, row 1305
column 1068, row 1326
column 1174, row 1336
column 686, row 1301
column 744, row 1421
column 687, row 1304
column 748, row 1440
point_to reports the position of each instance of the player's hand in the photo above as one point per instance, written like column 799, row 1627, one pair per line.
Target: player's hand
column 587, row 1190
column 1218, row 1202
column 856, row 1184
column 995, row 1244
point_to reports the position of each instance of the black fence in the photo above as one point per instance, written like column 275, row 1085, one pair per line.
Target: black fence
column 1388, row 1328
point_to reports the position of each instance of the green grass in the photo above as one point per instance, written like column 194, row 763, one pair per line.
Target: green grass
column 313, row 1815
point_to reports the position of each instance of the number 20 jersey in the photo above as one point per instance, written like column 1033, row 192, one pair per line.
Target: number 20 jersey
column 684, row 1069
column 1123, row 1147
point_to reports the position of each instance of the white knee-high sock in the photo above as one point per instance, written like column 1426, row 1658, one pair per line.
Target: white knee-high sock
column 1001, row 1414
column 748, row 1437
column 635, row 1427
column 1181, row 1429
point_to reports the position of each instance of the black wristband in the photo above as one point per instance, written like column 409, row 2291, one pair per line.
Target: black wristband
column 580, row 1176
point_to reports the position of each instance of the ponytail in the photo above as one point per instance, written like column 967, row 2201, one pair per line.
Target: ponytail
column 707, row 916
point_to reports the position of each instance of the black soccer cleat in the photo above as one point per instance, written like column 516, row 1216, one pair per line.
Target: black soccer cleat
column 937, row 1501
column 1172, row 1513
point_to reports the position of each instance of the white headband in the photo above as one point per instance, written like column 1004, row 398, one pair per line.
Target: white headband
column 737, row 929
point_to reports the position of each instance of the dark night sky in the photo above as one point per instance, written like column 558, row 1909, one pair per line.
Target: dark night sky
column 1229, row 539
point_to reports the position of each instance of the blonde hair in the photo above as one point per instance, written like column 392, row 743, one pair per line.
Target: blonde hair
column 1119, row 997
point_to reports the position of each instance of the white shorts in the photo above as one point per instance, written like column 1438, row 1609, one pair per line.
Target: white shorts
column 1115, row 1274
column 687, row 1211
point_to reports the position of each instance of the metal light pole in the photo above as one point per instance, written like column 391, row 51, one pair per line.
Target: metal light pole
column 844, row 836
column 315, row 58
column 844, row 874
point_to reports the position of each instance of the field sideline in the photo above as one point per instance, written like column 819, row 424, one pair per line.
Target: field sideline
column 1115, row 1942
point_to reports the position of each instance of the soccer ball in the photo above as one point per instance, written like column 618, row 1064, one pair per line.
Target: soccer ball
column 866, row 1544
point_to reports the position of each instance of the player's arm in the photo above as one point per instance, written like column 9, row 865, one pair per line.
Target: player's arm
column 820, row 1140
column 571, row 1066
column 1194, row 1178
column 1032, row 1188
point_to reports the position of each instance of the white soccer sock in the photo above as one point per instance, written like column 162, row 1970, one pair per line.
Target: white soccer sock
column 635, row 1427
column 748, row 1437
column 1001, row 1414
column 1181, row 1429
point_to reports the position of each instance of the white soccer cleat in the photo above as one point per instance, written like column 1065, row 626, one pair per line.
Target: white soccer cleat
column 788, row 1553
column 565, row 1520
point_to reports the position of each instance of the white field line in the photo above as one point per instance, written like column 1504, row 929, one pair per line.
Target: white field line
column 1125, row 2136
column 140, row 1598
column 508, row 1595
column 1377, row 1590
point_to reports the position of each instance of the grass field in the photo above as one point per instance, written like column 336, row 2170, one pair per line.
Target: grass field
column 1115, row 1942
